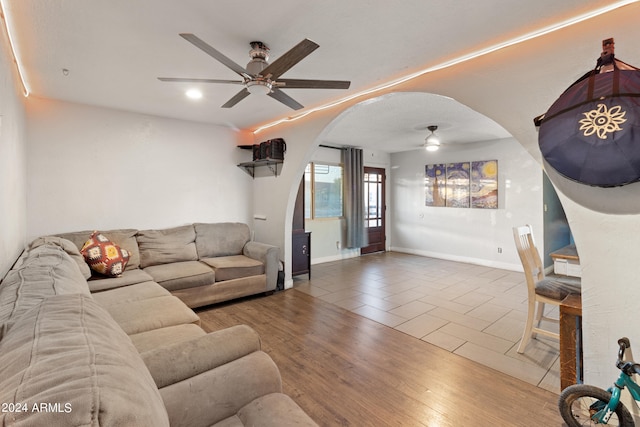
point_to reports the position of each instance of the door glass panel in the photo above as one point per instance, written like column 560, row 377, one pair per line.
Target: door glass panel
column 373, row 198
column 307, row 192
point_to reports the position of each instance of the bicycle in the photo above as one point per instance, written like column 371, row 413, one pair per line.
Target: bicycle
column 585, row 405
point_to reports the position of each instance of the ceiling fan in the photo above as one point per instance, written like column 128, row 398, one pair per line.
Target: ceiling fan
column 261, row 77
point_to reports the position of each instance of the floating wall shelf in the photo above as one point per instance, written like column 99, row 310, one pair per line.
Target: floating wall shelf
column 250, row 167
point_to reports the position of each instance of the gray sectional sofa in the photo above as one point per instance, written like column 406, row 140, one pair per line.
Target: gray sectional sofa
column 124, row 352
column 199, row 263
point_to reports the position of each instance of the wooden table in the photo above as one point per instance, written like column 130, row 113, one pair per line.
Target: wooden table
column 570, row 341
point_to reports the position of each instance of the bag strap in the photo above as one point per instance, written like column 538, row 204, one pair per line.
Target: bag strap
column 602, row 61
column 591, row 75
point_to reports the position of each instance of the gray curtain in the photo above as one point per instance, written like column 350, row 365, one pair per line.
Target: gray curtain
column 356, row 236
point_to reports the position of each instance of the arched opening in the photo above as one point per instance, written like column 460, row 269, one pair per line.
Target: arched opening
column 391, row 130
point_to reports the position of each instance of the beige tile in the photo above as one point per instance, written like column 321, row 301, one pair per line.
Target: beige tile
column 456, row 291
column 540, row 351
column 460, row 319
column 349, row 303
column 421, row 325
column 405, row 296
column 477, row 337
column 551, row 381
column 412, row 309
column 398, row 287
column 494, row 273
column 473, row 299
column 516, row 368
column 338, row 296
column 376, row 292
column 509, row 327
column 442, row 340
column 378, row 315
column 379, row 303
column 489, row 312
column 449, row 305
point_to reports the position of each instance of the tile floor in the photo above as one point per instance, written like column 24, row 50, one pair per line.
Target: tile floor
column 474, row 311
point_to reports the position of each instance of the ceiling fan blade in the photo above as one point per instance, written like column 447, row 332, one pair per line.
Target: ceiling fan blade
column 279, row 95
column 312, row 84
column 289, row 59
column 180, row 80
column 237, row 98
column 194, row 40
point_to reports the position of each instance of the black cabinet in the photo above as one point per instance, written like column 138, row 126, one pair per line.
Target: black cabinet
column 301, row 253
column 300, row 239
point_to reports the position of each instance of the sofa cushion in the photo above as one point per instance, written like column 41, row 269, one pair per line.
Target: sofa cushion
column 69, row 247
column 145, row 315
column 129, row 277
column 151, row 340
column 182, row 275
column 271, row 409
column 47, row 270
column 68, row 352
column 200, row 354
column 104, row 256
column 167, row 246
column 125, row 238
column 194, row 402
column 221, row 239
column 139, row 291
column 234, row 267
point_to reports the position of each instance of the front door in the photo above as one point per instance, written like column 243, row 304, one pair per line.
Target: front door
column 374, row 209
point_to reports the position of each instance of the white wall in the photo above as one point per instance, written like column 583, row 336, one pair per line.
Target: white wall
column 465, row 234
column 13, row 207
column 97, row 168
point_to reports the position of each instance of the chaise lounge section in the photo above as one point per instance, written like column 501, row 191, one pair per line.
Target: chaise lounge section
column 110, row 353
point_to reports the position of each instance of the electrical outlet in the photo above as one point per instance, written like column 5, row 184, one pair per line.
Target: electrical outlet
column 499, row 250
column 338, row 245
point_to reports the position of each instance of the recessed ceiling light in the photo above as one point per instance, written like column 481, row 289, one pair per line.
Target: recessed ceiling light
column 194, row 94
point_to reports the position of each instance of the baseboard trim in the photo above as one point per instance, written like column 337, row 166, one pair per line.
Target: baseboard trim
column 457, row 258
column 339, row 257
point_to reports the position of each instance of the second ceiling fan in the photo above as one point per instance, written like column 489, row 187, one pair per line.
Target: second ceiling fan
column 261, row 77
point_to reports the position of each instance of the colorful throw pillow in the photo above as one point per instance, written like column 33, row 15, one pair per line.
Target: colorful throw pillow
column 104, row 256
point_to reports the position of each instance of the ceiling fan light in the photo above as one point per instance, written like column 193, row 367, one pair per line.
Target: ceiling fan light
column 258, row 87
column 431, row 142
column 194, row 94
column 432, row 146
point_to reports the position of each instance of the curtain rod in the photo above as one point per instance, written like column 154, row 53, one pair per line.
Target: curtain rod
column 329, row 146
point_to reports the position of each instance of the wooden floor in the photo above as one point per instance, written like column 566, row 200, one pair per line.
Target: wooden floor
column 344, row 369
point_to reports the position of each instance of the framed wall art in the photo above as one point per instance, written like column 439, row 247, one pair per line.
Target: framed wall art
column 434, row 185
column 484, row 184
column 458, row 185
column 462, row 184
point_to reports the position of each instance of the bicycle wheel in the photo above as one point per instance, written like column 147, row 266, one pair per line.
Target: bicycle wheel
column 578, row 402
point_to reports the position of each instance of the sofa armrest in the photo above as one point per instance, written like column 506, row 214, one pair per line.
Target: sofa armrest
column 268, row 254
column 218, row 394
column 180, row 361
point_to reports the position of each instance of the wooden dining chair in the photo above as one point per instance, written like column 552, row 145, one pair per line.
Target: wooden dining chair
column 541, row 290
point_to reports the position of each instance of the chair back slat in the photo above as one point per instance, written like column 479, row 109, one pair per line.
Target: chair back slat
column 529, row 256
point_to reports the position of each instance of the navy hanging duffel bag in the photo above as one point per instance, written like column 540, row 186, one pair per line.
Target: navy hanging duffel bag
column 591, row 134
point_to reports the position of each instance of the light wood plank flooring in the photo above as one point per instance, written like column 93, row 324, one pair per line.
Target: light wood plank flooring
column 343, row 368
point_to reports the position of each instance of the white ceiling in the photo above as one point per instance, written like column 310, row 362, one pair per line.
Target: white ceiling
column 115, row 50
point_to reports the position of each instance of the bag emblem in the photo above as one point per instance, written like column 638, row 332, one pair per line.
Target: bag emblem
column 602, row 121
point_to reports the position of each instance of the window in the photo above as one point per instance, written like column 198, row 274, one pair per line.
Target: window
column 323, row 191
